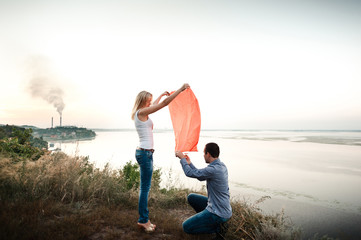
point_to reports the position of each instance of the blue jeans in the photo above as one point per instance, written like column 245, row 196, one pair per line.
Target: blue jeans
column 204, row 221
column 145, row 161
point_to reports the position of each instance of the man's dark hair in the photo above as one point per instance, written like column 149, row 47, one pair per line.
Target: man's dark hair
column 213, row 149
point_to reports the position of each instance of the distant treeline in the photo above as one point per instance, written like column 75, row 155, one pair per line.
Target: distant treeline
column 64, row 133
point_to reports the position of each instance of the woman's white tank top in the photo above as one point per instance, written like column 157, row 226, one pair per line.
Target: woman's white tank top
column 145, row 132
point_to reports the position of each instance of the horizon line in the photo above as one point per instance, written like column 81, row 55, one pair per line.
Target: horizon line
column 205, row 129
column 229, row 129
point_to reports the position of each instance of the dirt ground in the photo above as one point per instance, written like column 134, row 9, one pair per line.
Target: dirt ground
column 165, row 229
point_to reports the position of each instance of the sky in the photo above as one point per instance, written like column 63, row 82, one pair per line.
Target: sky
column 251, row 64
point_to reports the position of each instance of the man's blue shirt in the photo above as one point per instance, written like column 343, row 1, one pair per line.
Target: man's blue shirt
column 216, row 175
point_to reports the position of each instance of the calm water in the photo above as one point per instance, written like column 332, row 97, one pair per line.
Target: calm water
column 322, row 168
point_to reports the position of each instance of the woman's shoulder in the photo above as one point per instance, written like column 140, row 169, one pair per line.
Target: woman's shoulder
column 136, row 114
column 141, row 115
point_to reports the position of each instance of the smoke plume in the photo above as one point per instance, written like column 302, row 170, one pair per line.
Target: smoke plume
column 43, row 83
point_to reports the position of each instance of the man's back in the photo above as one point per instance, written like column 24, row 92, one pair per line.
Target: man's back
column 218, row 190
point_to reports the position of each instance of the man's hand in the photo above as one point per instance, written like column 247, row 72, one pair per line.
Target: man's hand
column 180, row 155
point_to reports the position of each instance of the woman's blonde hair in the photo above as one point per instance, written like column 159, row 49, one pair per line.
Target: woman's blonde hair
column 140, row 101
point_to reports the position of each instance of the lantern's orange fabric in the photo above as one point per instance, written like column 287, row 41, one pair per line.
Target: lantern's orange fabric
column 186, row 119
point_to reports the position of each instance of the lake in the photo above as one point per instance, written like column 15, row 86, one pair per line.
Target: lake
column 314, row 176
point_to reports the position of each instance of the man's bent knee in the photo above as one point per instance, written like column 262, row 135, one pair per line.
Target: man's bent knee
column 190, row 197
column 186, row 227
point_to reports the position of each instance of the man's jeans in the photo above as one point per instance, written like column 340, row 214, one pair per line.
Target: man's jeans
column 145, row 161
column 204, row 221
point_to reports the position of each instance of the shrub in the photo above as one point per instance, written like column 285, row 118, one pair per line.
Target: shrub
column 131, row 175
column 18, row 144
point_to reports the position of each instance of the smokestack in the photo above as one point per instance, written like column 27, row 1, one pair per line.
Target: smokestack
column 61, row 118
column 52, row 122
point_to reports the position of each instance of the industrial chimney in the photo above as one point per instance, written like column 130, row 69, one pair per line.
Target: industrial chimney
column 61, row 118
column 52, row 122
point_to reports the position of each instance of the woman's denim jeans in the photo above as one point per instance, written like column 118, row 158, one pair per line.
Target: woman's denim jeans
column 145, row 161
column 204, row 221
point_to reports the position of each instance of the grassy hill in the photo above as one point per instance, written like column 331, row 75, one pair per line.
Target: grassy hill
column 55, row 196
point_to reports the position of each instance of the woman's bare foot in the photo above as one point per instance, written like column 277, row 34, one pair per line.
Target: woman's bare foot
column 148, row 227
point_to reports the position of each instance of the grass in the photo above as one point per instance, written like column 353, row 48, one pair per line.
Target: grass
column 64, row 197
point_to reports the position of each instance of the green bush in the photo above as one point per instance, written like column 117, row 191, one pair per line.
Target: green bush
column 18, row 143
column 18, row 150
column 131, row 176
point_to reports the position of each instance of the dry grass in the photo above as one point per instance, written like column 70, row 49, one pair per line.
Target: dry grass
column 63, row 178
column 248, row 222
column 63, row 197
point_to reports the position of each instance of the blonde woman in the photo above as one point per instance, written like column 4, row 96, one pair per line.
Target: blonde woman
column 143, row 107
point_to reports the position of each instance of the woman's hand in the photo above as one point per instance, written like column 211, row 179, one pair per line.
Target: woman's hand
column 185, row 86
column 166, row 93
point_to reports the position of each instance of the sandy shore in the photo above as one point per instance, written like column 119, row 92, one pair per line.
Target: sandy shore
column 314, row 219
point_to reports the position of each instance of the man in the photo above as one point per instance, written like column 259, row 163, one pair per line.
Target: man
column 214, row 210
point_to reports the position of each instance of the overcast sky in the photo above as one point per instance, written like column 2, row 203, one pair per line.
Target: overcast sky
column 251, row 64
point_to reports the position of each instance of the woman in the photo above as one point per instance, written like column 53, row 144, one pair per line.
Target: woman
column 144, row 153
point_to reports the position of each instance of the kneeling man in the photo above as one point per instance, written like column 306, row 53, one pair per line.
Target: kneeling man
column 212, row 211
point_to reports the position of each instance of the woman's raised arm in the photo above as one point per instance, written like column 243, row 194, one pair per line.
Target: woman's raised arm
column 158, row 99
column 155, row 107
